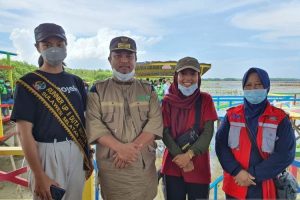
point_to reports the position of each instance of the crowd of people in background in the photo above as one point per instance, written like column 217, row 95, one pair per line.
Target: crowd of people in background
column 161, row 86
column 6, row 93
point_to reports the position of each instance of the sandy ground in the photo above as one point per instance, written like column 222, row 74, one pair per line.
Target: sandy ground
column 9, row 190
column 12, row 191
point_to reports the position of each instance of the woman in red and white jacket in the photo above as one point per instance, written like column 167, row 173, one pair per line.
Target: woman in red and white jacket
column 249, row 171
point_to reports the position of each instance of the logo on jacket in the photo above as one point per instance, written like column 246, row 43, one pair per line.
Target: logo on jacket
column 236, row 116
column 39, row 85
column 143, row 98
column 273, row 118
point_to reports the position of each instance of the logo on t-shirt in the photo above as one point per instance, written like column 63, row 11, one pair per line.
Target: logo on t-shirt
column 39, row 85
column 69, row 89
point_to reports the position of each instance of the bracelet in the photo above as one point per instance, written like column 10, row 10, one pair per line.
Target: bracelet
column 190, row 153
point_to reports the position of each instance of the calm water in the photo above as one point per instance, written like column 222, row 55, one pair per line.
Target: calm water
column 235, row 87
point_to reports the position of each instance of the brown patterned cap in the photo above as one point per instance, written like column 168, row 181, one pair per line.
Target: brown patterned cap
column 187, row 62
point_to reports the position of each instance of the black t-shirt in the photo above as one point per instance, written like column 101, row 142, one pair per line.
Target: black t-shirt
column 45, row 126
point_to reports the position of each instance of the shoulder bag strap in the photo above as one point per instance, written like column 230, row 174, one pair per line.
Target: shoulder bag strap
column 197, row 113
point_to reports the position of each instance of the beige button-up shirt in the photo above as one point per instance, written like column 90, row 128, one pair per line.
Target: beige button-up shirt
column 125, row 110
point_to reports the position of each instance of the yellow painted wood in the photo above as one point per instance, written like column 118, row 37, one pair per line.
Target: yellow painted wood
column 10, row 78
column 1, row 124
column 89, row 188
column 6, row 151
column 154, row 69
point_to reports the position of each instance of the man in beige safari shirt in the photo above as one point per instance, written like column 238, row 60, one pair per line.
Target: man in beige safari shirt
column 123, row 119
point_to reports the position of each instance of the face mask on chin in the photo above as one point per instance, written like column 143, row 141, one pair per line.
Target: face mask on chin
column 54, row 55
column 187, row 91
column 123, row 77
column 255, row 96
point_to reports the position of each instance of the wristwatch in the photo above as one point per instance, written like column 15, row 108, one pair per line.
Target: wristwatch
column 190, row 153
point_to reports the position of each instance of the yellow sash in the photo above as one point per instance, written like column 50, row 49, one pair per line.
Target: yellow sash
column 62, row 109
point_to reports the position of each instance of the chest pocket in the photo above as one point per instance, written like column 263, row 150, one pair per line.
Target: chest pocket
column 234, row 134
column 268, row 138
column 108, row 113
column 143, row 111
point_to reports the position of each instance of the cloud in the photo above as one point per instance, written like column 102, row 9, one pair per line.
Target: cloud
column 273, row 21
column 239, row 45
column 82, row 17
column 282, row 44
column 83, row 52
column 224, row 6
column 164, row 30
column 23, row 42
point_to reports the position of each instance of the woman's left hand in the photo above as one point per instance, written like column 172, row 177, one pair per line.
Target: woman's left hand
column 182, row 160
column 243, row 178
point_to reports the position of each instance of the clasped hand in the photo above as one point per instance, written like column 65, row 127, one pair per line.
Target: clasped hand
column 126, row 154
column 243, row 178
column 184, row 162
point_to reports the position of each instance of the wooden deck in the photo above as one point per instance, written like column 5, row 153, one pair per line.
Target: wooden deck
column 7, row 151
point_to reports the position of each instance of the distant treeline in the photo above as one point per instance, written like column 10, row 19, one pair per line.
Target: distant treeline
column 22, row 68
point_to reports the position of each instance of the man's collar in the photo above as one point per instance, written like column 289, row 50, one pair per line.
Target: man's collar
column 129, row 82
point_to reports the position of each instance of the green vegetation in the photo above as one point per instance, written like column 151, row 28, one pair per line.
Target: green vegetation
column 22, row 68
column 90, row 76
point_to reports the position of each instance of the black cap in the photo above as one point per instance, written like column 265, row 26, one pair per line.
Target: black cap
column 46, row 30
column 122, row 43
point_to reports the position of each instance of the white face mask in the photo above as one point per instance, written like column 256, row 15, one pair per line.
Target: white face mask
column 187, row 91
column 123, row 77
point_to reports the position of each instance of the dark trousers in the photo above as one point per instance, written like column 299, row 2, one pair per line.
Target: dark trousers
column 177, row 189
column 228, row 197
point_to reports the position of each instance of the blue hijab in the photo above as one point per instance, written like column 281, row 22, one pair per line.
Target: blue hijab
column 253, row 111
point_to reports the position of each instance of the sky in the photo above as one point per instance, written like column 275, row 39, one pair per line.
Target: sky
column 231, row 35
